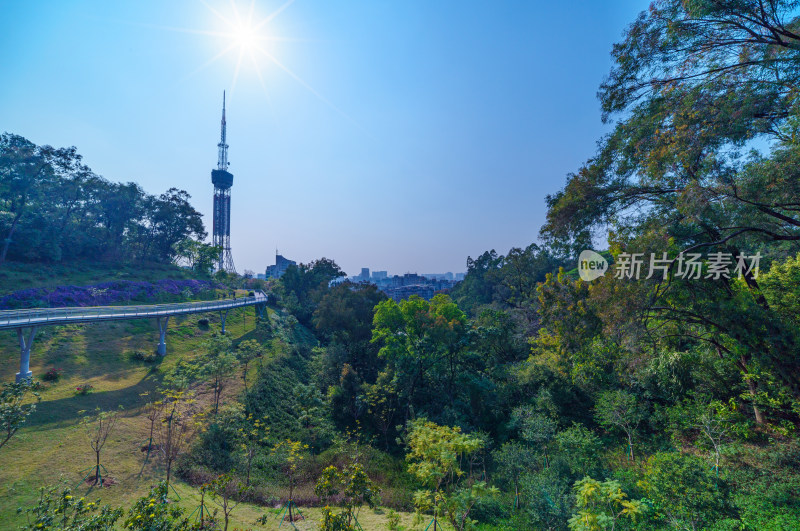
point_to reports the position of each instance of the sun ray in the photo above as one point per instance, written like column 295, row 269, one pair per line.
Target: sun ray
column 308, row 87
column 272, row 15
column 263, row 85
column 187, row 30
column 236, row 12
column 236, row 71
column 210, row 61
column 219, row 15
column 250, row 13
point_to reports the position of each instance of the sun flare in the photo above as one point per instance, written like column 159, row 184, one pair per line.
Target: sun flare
column 246, row 37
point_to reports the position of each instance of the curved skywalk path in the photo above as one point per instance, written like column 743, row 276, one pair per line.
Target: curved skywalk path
column 25, row 322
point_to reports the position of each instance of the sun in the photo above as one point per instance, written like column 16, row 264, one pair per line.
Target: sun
column 246, row 37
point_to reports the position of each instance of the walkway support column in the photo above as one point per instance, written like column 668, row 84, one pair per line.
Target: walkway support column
column 162, row 335
column 25, row 343
column 222, row 317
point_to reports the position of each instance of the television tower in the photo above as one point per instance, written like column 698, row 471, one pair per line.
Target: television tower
column 222, row 180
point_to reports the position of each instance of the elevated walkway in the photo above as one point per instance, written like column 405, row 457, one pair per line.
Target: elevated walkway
column 26, row 322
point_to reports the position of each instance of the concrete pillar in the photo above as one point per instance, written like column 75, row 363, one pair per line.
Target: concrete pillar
column 222, row 317
column 162, row 335
column 25, row 344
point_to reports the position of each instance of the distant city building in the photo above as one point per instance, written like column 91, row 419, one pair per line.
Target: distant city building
column 400, row 287
column 261, row 276
column 280, row 267
column 460, row 276
column 439, row 276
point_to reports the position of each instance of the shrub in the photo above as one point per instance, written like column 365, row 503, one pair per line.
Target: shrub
column 52, row 375
column 84, row 389
column 145, row 356
column 203, row 323
column 685, row 491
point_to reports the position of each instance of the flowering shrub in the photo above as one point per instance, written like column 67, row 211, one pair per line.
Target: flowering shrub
column 84, row 389
column 103, row 293
column 52, row 375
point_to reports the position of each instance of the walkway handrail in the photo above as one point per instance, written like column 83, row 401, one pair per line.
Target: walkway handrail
column 80, row 314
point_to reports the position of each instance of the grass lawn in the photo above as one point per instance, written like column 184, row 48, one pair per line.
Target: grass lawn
column 54, row 448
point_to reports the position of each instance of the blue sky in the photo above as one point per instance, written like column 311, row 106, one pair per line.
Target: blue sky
column 396, row 135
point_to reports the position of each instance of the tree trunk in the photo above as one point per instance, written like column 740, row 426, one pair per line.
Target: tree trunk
column 630, row 446
column 759, row 415
column 7, row 241
column 291, row 499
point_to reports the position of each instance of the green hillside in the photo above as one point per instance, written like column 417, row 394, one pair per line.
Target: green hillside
column 53, row 448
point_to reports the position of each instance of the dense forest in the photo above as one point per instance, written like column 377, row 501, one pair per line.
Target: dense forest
column 668, row 401
column 526, row 398
column 53, row 208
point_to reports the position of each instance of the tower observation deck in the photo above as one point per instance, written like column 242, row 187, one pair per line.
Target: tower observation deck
column 222, row 180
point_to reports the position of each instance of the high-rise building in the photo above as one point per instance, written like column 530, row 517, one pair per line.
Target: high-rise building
column 280, row 267
column 223, row 181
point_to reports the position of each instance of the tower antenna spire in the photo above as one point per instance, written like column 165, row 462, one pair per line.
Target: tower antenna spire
column 222, row 163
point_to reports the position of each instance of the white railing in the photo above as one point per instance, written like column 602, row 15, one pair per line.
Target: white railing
column 44, row 316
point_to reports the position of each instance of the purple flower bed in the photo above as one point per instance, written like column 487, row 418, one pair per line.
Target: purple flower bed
column 101, row 294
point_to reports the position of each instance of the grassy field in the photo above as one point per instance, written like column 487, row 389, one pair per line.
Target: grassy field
column 53, row 448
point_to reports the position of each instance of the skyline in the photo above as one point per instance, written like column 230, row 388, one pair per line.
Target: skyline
column 399, row 137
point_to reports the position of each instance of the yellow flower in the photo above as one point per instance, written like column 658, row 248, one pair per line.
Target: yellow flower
column 67, row 497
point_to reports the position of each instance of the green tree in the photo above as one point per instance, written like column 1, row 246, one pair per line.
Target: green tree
column 58, row 509
column 689, row 95
column 25, row 172
column 154, row 512
column 291, row 454
column 580, row 449
column 303, row 286
column 537, row 429
column 98, row 427
column 199, row 256
column 170, row 219
column 602, row 505
column 254, row 434
column 247, row 351
column 620, row 410
column 421, row 340
column 14, row 410
column 218, row 364
column 713, row 422
column 435, row 454
column 685, row 491
column 513, row 460
column 222, row 491
column 354, row 488
column 175, row 427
